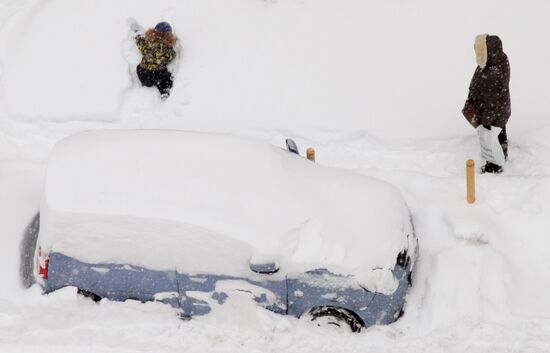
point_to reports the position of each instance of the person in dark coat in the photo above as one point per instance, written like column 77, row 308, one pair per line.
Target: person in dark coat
column 157, row 48
column 488, row 102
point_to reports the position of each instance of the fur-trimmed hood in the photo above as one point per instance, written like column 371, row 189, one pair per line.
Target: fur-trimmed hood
column 489, row 51
column 167, row 38
column 480, row 48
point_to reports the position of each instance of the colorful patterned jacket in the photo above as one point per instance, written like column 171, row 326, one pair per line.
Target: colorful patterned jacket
column 156, row 53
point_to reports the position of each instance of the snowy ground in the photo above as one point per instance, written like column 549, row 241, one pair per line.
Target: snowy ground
column 480, row 284
column 483, row 270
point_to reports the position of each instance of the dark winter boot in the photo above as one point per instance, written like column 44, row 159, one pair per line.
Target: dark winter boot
column 491, row 168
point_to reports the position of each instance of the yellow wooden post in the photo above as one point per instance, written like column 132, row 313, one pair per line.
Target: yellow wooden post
column 470, row 181
column 310, row 153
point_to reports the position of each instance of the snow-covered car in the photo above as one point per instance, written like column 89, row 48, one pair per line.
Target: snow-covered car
column 189, row 218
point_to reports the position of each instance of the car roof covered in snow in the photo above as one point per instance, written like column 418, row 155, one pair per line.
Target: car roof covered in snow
column 210, row 202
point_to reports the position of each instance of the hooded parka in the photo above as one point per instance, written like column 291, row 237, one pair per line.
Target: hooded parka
column 488, row 102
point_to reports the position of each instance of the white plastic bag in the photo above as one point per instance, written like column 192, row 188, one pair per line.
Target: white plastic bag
column 491, row 150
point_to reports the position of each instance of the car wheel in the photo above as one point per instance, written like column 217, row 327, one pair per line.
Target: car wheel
column 96, row 298
column 330, row 316
column 27, row 249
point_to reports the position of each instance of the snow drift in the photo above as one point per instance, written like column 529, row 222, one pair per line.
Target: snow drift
column 395, row 68
column 208, row 203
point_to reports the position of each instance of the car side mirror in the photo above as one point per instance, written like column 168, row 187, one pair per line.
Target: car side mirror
column 263, row 264
column 268, row 269
column 291, row 146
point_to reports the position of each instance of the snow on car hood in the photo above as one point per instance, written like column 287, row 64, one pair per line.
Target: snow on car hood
column 208, row 203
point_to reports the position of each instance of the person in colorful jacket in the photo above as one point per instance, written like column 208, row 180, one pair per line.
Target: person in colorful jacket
column 157, row 48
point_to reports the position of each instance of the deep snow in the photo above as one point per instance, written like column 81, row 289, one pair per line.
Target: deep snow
column 272, row 64
column 218, row 201
column 479, row 286
column 348, row 78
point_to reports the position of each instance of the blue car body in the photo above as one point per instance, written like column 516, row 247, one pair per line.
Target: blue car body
column 294, row 294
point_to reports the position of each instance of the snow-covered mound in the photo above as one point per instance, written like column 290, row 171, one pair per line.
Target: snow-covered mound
column 210, row 202
column 396, row 68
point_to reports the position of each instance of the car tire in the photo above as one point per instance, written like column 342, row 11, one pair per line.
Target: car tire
column 27, row 249
column 87, row 294
column 335, row 317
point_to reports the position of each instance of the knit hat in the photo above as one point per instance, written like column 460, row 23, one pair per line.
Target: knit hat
column 163, row 27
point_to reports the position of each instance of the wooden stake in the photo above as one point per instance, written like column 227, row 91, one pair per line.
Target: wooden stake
column 470, row 181
column 310, row 153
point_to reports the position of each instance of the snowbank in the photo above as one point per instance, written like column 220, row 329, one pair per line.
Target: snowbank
column 67, row 57
column 208, row 203
column 479, row 284
column 397, row 69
